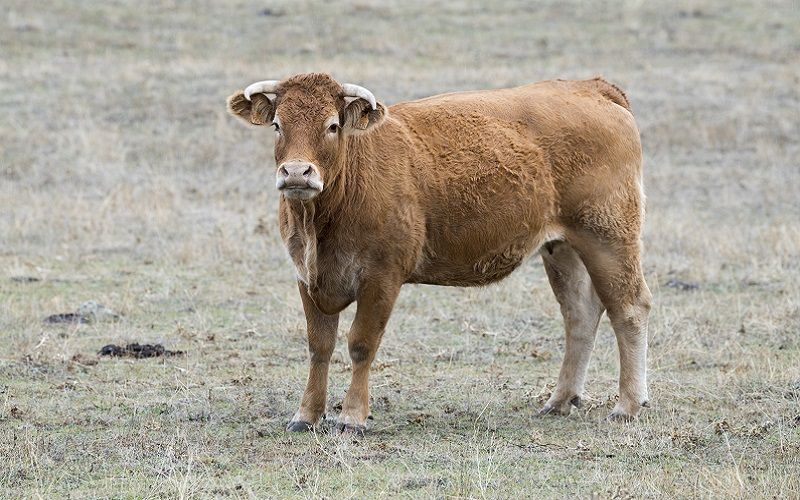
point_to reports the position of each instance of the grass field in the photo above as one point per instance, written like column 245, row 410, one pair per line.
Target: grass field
column 122, row 180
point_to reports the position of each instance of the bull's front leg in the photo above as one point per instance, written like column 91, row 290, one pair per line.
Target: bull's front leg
column 375, row 302
column 321, row 341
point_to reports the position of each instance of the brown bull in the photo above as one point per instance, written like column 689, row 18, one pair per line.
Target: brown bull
column 458, row 190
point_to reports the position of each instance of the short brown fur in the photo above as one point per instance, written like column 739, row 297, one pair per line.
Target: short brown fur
column 458, row 189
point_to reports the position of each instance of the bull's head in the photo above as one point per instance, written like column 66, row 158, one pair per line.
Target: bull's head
column 312, row 114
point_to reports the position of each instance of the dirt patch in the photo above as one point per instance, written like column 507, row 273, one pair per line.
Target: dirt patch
column 683, row 286
column 88, row 312
column 54, row 319
column 138, row 351
column 25, row 279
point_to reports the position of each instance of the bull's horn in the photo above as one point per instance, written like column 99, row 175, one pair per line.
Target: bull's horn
column 351, row 90
column 265, row 87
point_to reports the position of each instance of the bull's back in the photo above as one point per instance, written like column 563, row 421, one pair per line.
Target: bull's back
column 574, row 125
column 492, row 165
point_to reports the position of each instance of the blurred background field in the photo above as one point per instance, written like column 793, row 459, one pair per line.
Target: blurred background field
column 122, row 180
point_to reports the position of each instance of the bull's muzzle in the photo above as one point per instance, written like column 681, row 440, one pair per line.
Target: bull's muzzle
column 299, row 180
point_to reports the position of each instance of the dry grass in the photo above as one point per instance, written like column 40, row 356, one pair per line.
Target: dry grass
column 122, row 180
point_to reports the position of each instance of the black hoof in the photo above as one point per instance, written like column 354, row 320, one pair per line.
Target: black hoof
column 620, row 418
column 560, row 409
column 299, row 426
column 351, row 430
column 548, row 410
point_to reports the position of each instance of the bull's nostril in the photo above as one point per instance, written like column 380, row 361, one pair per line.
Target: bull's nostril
column 307, row 172
column 283, row 171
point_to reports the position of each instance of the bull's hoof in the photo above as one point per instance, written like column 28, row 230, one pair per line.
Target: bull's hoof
column 622, row 415
column 355, row 430
column 299, row 426
column 561, row 408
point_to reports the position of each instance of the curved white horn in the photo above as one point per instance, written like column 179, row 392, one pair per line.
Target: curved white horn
column 358, row 91
column 265, row 87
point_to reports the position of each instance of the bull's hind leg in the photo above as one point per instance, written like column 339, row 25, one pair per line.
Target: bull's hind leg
column 581, row 309
column 615, row 267
column 321, row 342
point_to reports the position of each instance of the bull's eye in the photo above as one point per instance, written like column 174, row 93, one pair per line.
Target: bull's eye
column 277, row 127
column 333, row 128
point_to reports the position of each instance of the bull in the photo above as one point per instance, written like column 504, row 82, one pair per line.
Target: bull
column 457, row 190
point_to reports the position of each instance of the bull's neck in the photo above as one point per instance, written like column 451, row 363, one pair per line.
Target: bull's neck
column 304, row 215
column 313, row 220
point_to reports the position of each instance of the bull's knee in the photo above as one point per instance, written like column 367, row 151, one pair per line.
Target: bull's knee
column 645, row 301
column 633, row 315
column 360, row 352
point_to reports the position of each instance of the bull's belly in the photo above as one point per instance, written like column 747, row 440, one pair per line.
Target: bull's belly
column 456, row 268
column 487, row 210
column 449, row 274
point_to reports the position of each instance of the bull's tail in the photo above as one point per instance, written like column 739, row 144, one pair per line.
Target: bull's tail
column 610, row 92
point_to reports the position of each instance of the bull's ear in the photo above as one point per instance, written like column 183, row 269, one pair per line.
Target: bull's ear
column 259, row 111
column 359, row 117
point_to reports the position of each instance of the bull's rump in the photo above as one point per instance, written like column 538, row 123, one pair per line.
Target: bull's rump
column 494, row 167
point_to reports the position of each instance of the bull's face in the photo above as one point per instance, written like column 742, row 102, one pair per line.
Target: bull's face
column 311, row 117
